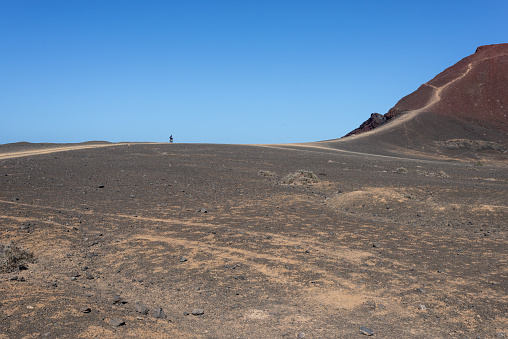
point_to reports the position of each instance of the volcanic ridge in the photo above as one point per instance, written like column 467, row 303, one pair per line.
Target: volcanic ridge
column 466, row 102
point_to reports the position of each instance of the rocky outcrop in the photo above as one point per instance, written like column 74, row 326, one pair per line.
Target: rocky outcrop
column 374, row 121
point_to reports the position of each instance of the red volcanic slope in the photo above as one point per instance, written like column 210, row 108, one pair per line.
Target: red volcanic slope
column 475, row 89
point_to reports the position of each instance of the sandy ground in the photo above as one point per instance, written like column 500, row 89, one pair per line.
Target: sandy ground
column 407, row 247
column 45, row 151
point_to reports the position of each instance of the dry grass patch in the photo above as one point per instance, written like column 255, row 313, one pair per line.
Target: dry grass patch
column 401, row 170
column 265, row 173
column 13, row 258
column 302, row 177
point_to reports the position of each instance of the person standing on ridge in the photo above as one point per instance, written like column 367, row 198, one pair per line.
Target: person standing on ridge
column 171, row 138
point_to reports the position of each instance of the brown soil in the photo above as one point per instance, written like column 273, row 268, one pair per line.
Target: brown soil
column 377, row 237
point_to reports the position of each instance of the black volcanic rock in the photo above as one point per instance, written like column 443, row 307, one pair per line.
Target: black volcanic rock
column 374, row 121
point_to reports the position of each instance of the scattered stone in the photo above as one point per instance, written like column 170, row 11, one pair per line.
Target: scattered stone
column 197, row 311
column 117, row 322
column 420, row 290
column 500, row 335
column 140, row 308
column 159, row 313
column 300, row 335
column 118, row 300
column 85, row 309
column 371, row 304
column 15, row 199
column 183, row 259
column 89, row 276
column 265, row 173
column 401, row 170
column 366, row 331
column 376, row 244
column 14, row 278
column 202, row 210
column 422, row 307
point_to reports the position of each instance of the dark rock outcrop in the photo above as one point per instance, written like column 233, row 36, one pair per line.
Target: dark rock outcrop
column 374, row 121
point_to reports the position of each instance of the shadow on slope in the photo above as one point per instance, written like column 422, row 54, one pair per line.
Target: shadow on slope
column 428, row 135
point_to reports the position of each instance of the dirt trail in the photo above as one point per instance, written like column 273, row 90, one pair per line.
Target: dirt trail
column 402, row 119
column 316, row 147
column 436, row 97
column 11, row 155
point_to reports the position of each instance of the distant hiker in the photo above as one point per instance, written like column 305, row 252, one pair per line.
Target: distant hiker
column 171, row 138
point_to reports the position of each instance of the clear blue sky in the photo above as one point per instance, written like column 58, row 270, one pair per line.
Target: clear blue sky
column 212, row 71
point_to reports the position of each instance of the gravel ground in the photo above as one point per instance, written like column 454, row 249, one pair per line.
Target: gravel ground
column 209, row 241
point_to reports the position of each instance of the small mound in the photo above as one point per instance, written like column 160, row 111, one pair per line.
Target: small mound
column 14, row 258
column 301, row 177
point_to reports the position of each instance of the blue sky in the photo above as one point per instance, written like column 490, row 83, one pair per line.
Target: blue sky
column 213, row 71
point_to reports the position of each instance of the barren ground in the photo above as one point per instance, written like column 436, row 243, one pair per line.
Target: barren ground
column 408, row 248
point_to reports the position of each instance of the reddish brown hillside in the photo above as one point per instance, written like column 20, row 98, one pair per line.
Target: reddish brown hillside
column 475, row 90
